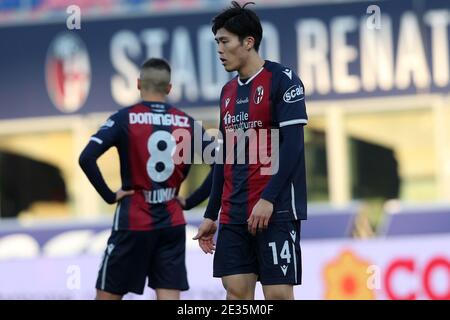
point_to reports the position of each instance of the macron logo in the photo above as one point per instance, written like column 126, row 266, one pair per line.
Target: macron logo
column 288, row 73
column 293, row 234
column 227, row 101
column 284, row 269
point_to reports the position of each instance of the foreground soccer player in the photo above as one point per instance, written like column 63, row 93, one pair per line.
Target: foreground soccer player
column 259, row 235
column 148, row 236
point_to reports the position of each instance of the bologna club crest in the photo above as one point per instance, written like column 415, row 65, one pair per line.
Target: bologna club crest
column 67, row 72
column 259, row 92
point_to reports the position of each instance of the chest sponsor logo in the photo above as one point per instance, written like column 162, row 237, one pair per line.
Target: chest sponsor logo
column 241, row 101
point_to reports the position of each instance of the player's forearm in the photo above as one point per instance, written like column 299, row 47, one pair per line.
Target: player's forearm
column 88, row 162
column 289, row 153
column 215, row 198
column 199, row 195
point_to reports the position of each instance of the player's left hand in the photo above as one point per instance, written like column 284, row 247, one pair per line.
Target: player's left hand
column 259, row 219
column 120, row 194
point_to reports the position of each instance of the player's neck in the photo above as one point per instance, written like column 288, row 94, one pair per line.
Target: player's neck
column 253, row 65
column 153, row 97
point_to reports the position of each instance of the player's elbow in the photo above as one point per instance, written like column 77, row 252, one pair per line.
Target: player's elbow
column 84, row 160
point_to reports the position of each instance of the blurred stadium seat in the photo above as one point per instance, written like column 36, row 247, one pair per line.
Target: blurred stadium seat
column 415, row 220
column 53, row 238
column 326, row 221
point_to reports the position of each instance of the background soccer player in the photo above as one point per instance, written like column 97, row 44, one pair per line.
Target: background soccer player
column 148, row 236
column 260, row 214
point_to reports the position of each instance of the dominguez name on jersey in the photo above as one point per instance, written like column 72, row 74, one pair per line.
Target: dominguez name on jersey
column 159, row 119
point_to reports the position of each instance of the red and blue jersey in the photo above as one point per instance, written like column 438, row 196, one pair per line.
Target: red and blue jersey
column 271, row 99
column 146, row 136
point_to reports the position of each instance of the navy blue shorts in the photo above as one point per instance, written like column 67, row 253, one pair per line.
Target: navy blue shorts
column 132, row 256
column 273, row 254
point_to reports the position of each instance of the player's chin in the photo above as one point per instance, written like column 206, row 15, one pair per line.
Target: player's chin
column 229, row 68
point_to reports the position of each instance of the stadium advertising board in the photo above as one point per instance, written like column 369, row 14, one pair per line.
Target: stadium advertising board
column 384, row 268
column 341, row 51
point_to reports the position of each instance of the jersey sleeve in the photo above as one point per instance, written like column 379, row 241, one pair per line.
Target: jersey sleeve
column 106, row 136
column 109, row 133
column 289, row 99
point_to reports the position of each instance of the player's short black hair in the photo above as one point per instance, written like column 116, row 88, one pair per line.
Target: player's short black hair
column 156, row 63
column 241, row 21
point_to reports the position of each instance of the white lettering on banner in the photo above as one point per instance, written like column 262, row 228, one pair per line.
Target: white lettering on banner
column 411, row 59
column 312, row 48
column 323, row 68
column 377, row 56
column 270, row 43
column 439, row 21
column 125, row 45
column 212, row 74
column 126, row 54
column 154, row 40
column 342, row 54
column 159, row 119
column 184, row 74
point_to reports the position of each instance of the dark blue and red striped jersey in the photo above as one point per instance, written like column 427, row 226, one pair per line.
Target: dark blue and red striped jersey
column 147, row 136
column 271, row 99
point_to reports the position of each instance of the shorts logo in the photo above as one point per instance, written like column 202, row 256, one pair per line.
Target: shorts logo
column 68, row 72
column 259, row 93
column 293, row 234
column 110, row 248
column 284, row 269
column 293, row 94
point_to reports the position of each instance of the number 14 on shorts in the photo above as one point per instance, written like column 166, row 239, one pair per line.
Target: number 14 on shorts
column 284, row 254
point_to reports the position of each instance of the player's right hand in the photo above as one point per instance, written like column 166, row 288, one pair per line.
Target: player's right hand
column 205, row 235
column 120, row 194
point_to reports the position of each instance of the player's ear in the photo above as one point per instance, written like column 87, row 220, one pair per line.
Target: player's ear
column 139, row 84
column 168, row 88
column 249, row 43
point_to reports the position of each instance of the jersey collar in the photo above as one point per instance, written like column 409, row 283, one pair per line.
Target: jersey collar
column 250, row 79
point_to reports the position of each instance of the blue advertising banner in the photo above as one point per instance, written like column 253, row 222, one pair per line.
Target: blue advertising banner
column 341, row 51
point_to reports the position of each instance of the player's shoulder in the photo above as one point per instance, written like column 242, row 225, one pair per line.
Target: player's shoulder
column 120, row 116
column 230, row 84
column 279, row 70
column 172, row 109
